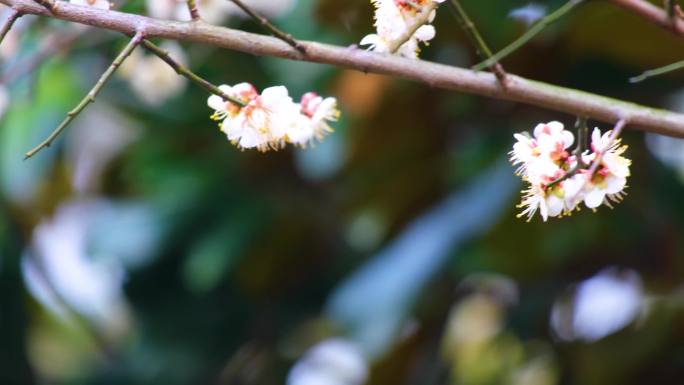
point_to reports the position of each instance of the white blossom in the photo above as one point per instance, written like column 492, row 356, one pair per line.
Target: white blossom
column 393, row 20
column 271, row 119
column 556, row 184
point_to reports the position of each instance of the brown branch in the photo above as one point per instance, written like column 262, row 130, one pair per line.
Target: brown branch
column 187, row 73
column 468, row 26
column 90, row 97
column 654, row 14
column 9, row 22
column 567, row 100
column 192, row 8
column 284, row 36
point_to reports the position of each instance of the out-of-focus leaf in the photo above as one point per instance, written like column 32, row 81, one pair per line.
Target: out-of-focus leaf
column 374, row 301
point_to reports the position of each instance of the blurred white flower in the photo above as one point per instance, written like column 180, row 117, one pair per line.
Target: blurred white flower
column 98, row 136
column 335, row 361
column 59, row 264
column 528, row 14
column 4, row 100
column 100, row 4
column 153, row 80
column 600, row 306
column 216, row 11
column 668, row 150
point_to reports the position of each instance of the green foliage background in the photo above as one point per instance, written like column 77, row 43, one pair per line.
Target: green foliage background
column 244, row 253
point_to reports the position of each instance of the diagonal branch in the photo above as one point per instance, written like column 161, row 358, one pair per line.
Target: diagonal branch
column 90, row 97
column 284, row 36
column 518, row 89
column 529, row 35
column 7, row 25
column 652, row 13
column 476, row 39
column 187, row 73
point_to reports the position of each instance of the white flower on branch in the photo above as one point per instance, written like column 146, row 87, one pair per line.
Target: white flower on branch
column 557, row 183
column 152, row 79
column 394, row 20
column 271, row 119
column 100, row 4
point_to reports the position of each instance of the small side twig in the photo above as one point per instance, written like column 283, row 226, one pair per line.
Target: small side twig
column 657, row 72
column 187, row 73
column 284, row 36
column 421, row 20
column 194, row 12
column 90, row 97
column 617, row 130
column 527, row 36
column 476, row 39
column 7, row 25
column 582, row 133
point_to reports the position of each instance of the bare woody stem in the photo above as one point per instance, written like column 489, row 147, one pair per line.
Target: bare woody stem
column 422, row 19
column 7, row 25
column 192, row 8
column 187, row 73
column 582, row 130
column 518, row 89
column 284, row 36
column 476, row 39
column 90, row 97
column 529, row 35
column 617, row 130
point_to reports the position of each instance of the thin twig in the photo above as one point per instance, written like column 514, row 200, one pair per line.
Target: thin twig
column 582, row 131
column 476, row 39
column 284, row 36
column 7, row 25
column 421, row 19
column 192, row 7
column 518, row 89
column 90, row 97
column 657, row 72
column 617, row 130
column 615, row 133
column 670, row 8
column 527, row 36
column 186, row 72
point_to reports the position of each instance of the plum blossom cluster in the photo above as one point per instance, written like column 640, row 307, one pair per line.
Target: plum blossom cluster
column 558, row 181
column 394, row 19
column 269, row 120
